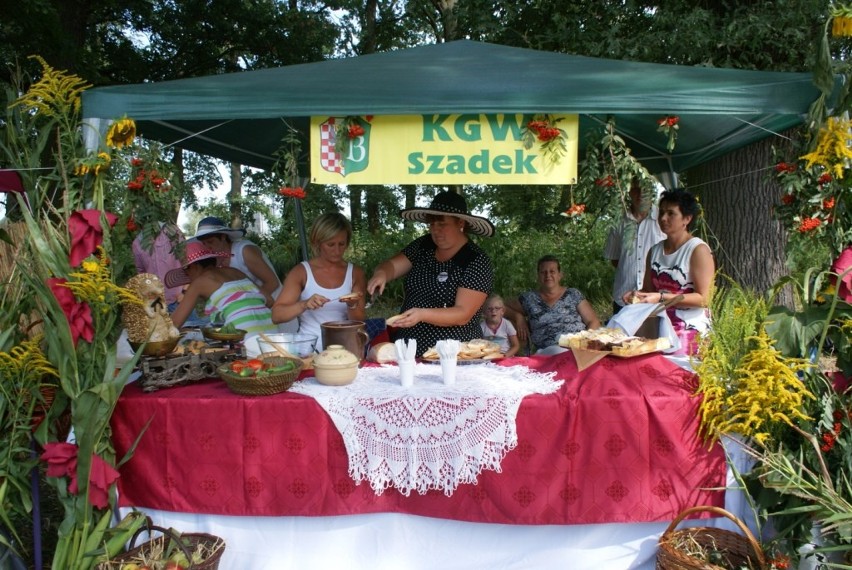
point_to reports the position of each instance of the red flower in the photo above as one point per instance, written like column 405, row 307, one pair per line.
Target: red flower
column 132, row 226
column 78, row 315
column 787, row 199
column 136, row 162
column 824, row 179
column 297, row 192
column 780, row 562
column 606, row 181
column 355, row 131
column 574, row 210
column 61, row 461
column 809, row 224
column 785, row 167
column 134, row 185
column 828, row 203
column 669, row 121
column 86, row 233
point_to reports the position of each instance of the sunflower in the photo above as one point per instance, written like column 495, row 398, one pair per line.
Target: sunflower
column 121, row 133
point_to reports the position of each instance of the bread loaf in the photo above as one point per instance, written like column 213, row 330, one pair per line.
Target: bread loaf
column 636, row 346
column 382, row 353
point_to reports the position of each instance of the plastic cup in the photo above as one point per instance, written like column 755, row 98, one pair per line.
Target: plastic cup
column 448, row 370
column 406, row 373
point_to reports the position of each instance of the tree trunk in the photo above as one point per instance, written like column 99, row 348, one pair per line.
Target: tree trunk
column 355, row 206
column 410, row 191
column 737, row 195
column 235, row 196
column 177, row 161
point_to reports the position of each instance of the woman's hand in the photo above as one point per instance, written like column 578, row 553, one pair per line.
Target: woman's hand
column 641, row 297
column 314, row 302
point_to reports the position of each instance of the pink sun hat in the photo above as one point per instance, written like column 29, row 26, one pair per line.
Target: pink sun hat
column 193, row 251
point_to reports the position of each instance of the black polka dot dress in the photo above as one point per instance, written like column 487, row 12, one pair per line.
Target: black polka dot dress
column 433, row 284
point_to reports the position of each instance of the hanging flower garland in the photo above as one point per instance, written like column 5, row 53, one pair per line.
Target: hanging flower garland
column 669, row 126
column 296, row 192
column 544, row 130
column 841, row 21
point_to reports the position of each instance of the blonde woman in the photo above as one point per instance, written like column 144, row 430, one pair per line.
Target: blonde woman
column 326, row 288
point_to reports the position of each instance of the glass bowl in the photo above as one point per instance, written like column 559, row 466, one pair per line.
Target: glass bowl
column 298, row 344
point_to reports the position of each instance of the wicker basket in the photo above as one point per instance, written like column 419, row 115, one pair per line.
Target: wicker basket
column 186, row 542
column 733, row 549
column 262, row 385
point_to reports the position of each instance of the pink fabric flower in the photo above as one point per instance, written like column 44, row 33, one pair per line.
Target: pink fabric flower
column 101, row 476
column 86, row 233
column 61, row 461
column 79, row 315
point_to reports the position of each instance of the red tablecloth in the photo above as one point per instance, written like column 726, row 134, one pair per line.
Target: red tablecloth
column 617, row 443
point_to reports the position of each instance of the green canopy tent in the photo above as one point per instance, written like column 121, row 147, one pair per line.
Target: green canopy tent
column 240, row 117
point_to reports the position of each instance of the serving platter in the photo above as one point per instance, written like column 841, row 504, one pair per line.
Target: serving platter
column 463, row 361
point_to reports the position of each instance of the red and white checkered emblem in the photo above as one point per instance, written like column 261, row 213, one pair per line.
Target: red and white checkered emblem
column 329, row 159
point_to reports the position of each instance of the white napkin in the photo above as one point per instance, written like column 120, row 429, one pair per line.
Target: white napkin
column 631, row 317
column 405, row 353
column 448, row 348
column 406, row 350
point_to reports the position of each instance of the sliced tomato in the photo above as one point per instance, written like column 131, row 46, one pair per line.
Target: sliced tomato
column 237, row 366
column 255, row 364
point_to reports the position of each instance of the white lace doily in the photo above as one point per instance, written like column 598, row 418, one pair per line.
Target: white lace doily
column 428, row 436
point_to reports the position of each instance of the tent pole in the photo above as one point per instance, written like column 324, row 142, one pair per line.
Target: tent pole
column 300, row 226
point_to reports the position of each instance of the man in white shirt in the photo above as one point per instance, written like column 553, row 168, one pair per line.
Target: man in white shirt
column 629, row 241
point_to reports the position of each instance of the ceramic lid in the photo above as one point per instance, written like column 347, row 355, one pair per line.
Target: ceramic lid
column 336, row 355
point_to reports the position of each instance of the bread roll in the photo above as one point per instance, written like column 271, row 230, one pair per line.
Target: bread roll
column 382, row 353
column 391, row 320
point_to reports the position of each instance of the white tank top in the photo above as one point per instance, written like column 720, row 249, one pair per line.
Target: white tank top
column 310, row 321
column 239, row 262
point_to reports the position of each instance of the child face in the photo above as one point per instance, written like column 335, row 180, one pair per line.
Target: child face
column 494, row 312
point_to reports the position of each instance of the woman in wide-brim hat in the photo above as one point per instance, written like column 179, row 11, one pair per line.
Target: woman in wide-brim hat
column 231, row 297
column 447, row 276
column 242, row 254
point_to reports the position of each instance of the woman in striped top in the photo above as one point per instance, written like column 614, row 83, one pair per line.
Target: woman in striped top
column 230, row 294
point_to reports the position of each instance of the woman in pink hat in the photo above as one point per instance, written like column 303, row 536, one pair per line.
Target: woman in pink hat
column 230, row 294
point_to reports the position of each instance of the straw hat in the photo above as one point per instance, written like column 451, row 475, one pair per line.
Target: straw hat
column 450, row 204
column 214, row 225
column 194, row 251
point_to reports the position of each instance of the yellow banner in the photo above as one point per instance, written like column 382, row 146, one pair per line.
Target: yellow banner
column 445, row 149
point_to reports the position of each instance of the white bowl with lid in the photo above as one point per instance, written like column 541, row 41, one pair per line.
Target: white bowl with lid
column 336, row 366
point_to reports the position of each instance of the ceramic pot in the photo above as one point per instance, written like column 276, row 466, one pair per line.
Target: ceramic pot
column 351, row 335
column 335, row 366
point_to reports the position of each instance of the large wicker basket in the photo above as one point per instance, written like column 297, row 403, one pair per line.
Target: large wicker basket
column 168, row 541
column 262, row 385
column 708, row 548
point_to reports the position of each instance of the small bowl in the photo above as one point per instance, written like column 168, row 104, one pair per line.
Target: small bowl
column 212, row 333
column 298, row 344
column 336, row 366
column 157, row 348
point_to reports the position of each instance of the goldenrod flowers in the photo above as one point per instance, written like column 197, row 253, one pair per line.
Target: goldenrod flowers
column 26, row 363
column 94, row 284
column 833, row 148
column 764, row 392
column 55, row 94
column 121, row 133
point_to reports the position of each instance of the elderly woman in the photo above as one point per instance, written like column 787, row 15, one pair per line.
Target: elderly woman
column 552, row 310
column 229, row 293
column 326, row 288
column 242, row 254
column 447, row 276
column 679, row 265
